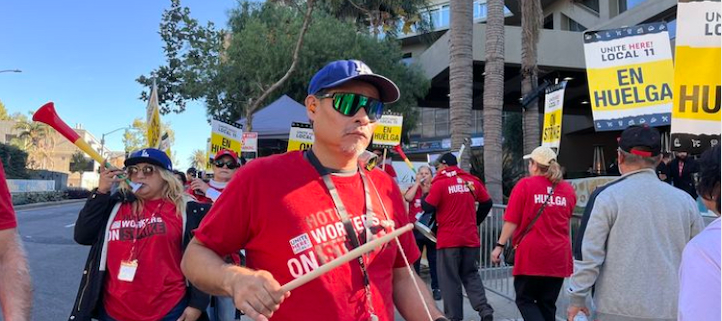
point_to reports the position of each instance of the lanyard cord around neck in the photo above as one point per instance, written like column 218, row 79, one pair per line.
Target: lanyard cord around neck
column 343, row 215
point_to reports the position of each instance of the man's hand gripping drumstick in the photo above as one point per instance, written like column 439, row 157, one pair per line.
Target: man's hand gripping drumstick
column 257, row 293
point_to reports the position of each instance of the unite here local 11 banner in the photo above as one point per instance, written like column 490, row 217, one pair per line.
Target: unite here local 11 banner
column 388, row 130
column 630, row 74
column 696, row 109
column 553, row 111
column 225, row 135
column 300, row 137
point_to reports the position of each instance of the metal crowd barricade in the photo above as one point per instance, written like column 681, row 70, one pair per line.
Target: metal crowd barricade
column 496, row 278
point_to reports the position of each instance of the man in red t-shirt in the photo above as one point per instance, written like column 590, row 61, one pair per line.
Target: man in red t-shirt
column 294, row 212
column 15, row 288
column 453, row 196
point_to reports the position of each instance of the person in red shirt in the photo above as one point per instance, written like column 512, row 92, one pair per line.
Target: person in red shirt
column 296, row 211
column 387, row 165
column 544, row 254
column 15, row 288
column 453, row 195
column 413, row 196
column 225, row 165
column 133, row 271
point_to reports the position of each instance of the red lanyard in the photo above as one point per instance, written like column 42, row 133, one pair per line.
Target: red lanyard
column 138, row 231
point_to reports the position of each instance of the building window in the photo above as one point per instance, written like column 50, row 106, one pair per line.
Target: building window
column 427, row 121
column 478, row 123
column 479, row 10
column 442, row 122
column 549, row 22
column 573, row 25
column 625, row 5
column 591, row 4
column 406, row 59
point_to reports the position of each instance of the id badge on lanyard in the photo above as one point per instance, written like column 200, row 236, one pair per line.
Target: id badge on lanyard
column 127, row 270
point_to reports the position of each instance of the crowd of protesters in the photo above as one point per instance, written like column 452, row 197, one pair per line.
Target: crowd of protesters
column 168, row 245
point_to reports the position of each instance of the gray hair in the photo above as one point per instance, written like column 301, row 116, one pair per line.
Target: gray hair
column 644, row 162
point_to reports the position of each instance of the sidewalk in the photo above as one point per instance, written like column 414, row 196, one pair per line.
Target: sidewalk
column 504, row 309
column 44, row 204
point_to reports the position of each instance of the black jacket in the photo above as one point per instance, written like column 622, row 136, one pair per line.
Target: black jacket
column 90, row 229
column 684, row 182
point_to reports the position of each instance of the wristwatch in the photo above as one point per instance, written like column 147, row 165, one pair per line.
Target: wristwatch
column 500, row 245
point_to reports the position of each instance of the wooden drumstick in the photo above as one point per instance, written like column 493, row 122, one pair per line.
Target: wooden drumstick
column 353, row 254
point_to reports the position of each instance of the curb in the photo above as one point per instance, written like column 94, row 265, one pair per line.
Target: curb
column 45, row 204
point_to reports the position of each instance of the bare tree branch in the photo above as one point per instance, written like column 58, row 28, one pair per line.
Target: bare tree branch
column 294, row 63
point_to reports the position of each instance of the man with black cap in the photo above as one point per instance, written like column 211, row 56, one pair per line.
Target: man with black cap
column 630, row 241
column 453, row 196
column 294, row 212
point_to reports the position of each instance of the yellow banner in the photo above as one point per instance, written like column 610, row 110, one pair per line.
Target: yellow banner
column 630, row 74
column 388, row 130
column 553, row 111
column 300, row 137
column 697, row 84
column 153, row 119
column 631, row 86
column 696, row 106
column 225, row 135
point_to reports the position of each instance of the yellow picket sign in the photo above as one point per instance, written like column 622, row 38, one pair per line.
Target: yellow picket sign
column 225, row 135
column 388, row 131
column 300, row 137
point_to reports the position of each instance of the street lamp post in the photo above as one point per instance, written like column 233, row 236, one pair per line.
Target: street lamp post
column 11, row 70
column 102, row 138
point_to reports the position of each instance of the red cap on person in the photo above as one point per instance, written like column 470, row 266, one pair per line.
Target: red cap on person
column 226, row 152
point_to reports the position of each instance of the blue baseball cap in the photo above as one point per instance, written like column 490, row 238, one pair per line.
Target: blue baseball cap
column 341, row 71
column 151, row 156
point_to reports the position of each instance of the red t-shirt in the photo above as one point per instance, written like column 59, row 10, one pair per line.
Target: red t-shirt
column 159, row 284
column 546, row 250
column 278, row 210
column 389, row 169
column 202, row 198
column 456, row 208
column 415, row 205
column 7, row 215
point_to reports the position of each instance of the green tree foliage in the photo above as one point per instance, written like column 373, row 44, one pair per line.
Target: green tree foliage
column 79, row 163
column 198, row 159
column 229, row 72
column 38, row 140
column 135, row 138
column 13, row 160
column 4, row 112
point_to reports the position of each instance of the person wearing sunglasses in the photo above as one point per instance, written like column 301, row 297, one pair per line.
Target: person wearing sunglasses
column 296, row 211
column 137, row 241
column 225, row 165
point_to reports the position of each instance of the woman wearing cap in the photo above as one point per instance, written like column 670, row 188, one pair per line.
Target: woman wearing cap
column 413, row 196
column 225, row 165
column 544, row 253
column 699, row 272
column 138, row 238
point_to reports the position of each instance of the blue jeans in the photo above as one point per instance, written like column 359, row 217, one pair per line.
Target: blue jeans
column 172, row 315
column 224, row 309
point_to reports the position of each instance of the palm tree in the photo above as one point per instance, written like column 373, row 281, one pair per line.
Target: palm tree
column 461, row 74
column 494, row 98
column 38, row 140
column 531, row 21
column 198, row 159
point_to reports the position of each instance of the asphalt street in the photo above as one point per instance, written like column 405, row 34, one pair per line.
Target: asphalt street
column 56, row 261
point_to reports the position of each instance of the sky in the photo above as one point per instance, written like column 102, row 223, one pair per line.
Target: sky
column 84, row 55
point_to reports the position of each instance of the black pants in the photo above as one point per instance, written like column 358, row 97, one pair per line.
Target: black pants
column 458, row 266
column 536, row 296
column 421, row 242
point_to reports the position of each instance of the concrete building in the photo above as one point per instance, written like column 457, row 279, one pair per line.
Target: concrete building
column 560, row 57
column 61, row 154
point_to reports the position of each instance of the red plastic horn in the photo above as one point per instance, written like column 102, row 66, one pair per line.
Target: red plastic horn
column 47, row 115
